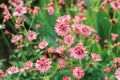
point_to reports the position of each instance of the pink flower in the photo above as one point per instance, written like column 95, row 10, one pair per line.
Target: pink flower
column 96, row 57
column 19, row 20
column 66, row 78
column 78, row 73
column 19, row 11
column 16, row 38
column 43, row 44
column 115, row 5
column 12, row 70
column 81, row 5
column 79, row 17
column 35, row 10
column 43, row 64
column 62, row 64
column 50, row 50
column 107, row 70
column 105, row 78
column 85, row 30
column 116, row 60
column 6, row 14
column 69, row 40
column 32, row 35
column 50, row 10
column 28, row 65
column 61, row 2
column 78, row 52
column 60, row 50
column 62, row 29
column 107, row 1
column 64, row 19
column 37, row 26
column 117, row 73
column 22, row 70
column 97, row 37
column 16, row 3
column 114, row 36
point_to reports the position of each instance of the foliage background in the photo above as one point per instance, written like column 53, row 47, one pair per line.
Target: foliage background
column 96, row 18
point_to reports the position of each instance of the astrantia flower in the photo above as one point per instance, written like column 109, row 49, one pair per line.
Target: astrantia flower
column 22, row 70
column 62, row 64
column 28, row 65
column 43, row 44
column 19, row 11
column 62, row 29
column 78, row 73
column 43, row 64
column 16, row 3
column 16, row 38
column 64, row 19
column 32, row 35
column 96, row 57
column 97, row 37
column 85, row 30
column 78, row 52
column 69, row 40
column 60, row 50
column 50, row 10
column 115, row 5
column 107, row 70
column 79, row 17
column 116, row 60
column 35, row 10
column 2, row 74
column 117, row 73
column 61, row 2
column 66, row 78
column 105, row 78
column 114, row 36
column 6, row 14
column 12, row 70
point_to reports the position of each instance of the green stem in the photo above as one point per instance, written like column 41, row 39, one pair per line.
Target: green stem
column 33, row 17
column 18, row 76
column 53, row 72
column 6, row 41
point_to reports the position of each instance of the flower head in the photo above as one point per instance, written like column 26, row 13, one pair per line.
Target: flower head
column 12, row 70
column 28, row 65
column 66, row 78
column 43, row 64
column 43, row 44
column 19, row 11
column 78, row 73
column 96, row 57
column 62, row 64
column 117, row 73
column 32, row 35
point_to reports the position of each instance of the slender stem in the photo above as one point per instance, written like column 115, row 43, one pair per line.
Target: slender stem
column 6, row 41
column 18, row 76
column 33, row 17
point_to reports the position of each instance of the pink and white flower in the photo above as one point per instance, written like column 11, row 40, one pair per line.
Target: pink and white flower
column 12, row 70
column 69, row 40
column 117, row 73
column 66, row 78
column 96, row 57
column 43, row 44
column 28, row 65
column 78, row 73
column 19, row 11
column 62, row 64
column 32, row 35
column 78, row 52
column 43, row 64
